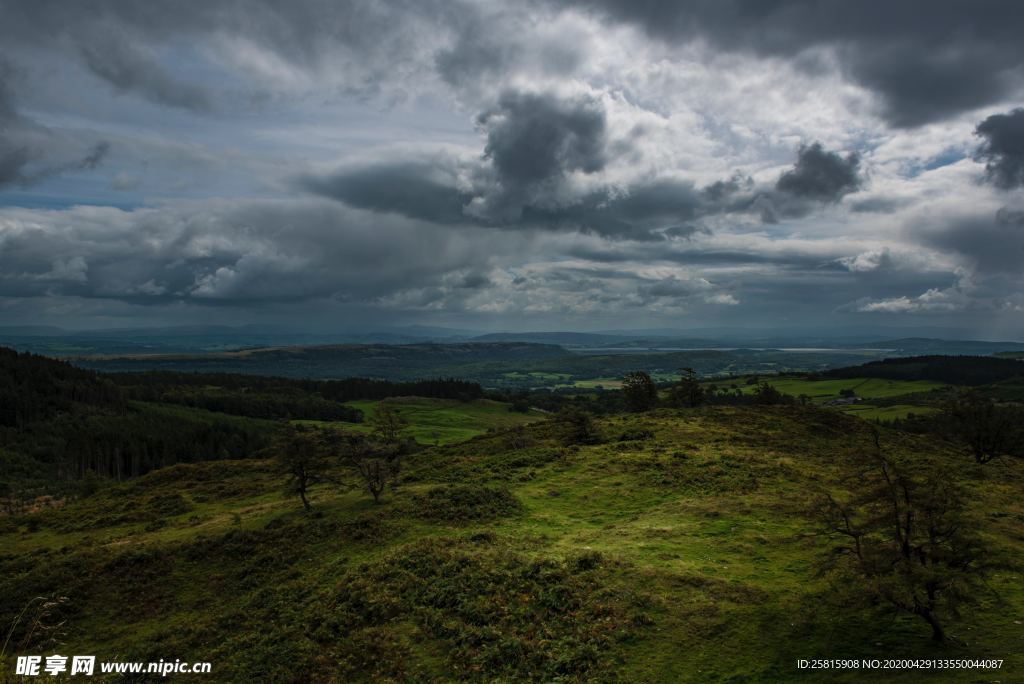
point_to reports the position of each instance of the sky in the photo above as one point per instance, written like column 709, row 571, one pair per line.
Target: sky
column 537, row 165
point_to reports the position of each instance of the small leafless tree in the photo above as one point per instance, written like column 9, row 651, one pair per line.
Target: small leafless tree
column 377, row 464
column 303, row 455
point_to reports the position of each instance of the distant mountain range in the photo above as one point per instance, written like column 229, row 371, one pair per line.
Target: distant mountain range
column 55, row 341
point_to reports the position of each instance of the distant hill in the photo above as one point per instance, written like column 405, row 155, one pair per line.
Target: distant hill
column 389, row 362
column 559, row 338
column 955, row 370
column 918, row 346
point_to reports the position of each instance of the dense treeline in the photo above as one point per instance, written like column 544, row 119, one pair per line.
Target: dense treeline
column 143, row 385
column 144, row 437
column 59, row 423
column 955, row 370
column 285, row 403
column 35, row 388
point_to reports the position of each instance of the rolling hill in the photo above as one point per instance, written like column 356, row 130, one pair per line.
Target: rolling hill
column 681, row 548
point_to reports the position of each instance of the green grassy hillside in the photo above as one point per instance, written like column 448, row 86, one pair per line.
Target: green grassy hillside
column 678, row 550
column 882, row 399
column 443, row 421
column 821, row 391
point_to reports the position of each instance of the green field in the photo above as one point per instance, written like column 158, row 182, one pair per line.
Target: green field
column 606, row 383
column 900, row 411
column 688, row 556
column 442, row 421
column 540, row 377
column 821, row 391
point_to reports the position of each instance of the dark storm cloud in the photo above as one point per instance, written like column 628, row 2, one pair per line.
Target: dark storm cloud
column 536, row 137
column 95, row 156
column 926, row 62
column 535, row 143
column 821, row 175
column 14, row 157
column 639, row 213
column 139, row 47
column 426, row 189
column 1002, row 149
column 990, row 244
column 1012, row 217
column 244, row 252
column 24, row 155
column 818, row 178
column 416, row 188
column 128, row 69
column 512, row 188
column 12, row 160
column 472, row 281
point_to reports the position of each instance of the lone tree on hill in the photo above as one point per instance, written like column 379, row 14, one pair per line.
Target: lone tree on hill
column 377, row 464
column 639, row 391
column 987, row 429
column 903, row 538
column 578, row 426
column 767, row 395
column 688, row 391
column 302, row 454
column 387, row 424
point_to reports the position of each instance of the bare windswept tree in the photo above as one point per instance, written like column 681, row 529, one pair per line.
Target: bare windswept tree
column 378, row 465
column 304, row 456
column 903, row 538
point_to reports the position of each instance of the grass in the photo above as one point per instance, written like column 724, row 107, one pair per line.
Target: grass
column 541, row 377
column 821, row 391
column 685, row 556
column 443, row 421
column 868, row 389
column 607, row 383
column 901, row 411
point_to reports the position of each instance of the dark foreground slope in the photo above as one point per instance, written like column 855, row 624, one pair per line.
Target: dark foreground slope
column 678, row 550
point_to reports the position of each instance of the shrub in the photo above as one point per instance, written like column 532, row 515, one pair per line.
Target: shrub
column 636, row 435
column 502, row 616
column 454, row 503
